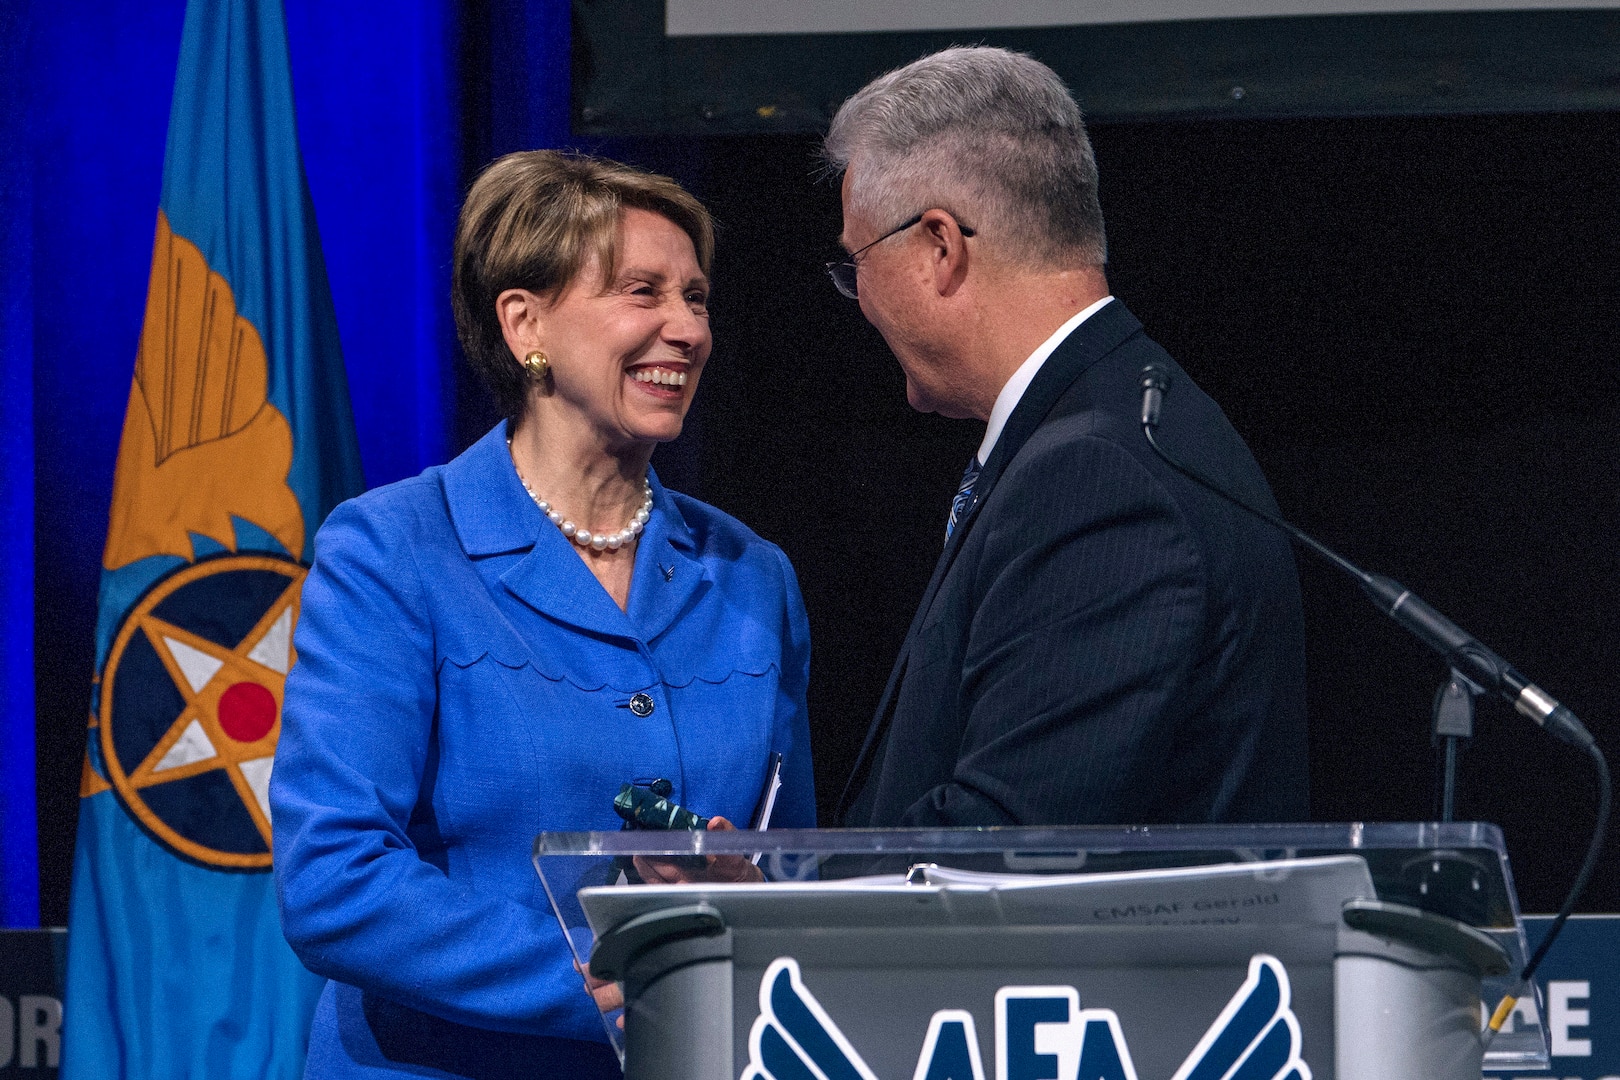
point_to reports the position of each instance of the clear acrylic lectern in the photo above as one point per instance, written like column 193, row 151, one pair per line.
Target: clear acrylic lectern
column 1281, row 952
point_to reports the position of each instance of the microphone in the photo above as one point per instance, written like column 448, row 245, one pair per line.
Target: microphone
column 1462, row 650
column 1155, row 384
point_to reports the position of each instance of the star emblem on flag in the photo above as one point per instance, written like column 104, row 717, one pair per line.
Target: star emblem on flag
column 191, row 705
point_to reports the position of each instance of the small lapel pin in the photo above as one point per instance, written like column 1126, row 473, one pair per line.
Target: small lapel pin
column 668, row 571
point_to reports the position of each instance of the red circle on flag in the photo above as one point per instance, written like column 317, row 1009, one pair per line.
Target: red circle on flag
column 247, row 711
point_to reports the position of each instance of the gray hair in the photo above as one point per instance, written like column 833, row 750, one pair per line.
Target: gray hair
column 990, row 135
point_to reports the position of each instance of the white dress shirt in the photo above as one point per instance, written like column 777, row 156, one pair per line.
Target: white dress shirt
column 1013, row 391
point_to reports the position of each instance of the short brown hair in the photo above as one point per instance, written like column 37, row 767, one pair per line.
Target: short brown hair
column 532, row 221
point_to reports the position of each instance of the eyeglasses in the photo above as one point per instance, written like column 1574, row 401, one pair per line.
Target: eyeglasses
column 842, row 271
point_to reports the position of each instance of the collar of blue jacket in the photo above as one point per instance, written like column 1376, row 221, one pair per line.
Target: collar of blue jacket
column 494, row 515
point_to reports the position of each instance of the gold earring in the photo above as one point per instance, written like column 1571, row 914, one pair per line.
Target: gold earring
column 537, row 366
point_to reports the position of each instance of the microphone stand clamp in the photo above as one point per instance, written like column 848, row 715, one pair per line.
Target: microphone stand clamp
column 1453, row 727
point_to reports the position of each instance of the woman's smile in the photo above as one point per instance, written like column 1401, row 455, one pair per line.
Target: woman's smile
column 662, row 380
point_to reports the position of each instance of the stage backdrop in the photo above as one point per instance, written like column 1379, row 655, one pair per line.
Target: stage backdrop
column 393, row 113
column 704, row 67
column 1410, row 318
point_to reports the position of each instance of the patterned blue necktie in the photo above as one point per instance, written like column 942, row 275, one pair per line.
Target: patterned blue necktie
column 962, row 505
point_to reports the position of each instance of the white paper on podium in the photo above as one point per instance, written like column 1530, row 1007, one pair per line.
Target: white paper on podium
column 1287, row 892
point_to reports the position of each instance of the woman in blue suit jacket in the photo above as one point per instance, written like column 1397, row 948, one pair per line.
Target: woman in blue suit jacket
column 491, row 649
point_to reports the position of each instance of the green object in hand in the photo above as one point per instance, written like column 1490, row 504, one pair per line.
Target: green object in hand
column 648, row 807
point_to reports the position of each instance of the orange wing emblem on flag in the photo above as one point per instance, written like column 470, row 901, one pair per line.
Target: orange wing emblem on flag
column 201, row 442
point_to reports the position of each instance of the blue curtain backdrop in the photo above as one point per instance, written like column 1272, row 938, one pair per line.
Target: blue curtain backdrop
column 396, row 104
column 19, row 887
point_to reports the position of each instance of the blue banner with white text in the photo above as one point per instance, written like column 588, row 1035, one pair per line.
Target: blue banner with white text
column 1578, row 989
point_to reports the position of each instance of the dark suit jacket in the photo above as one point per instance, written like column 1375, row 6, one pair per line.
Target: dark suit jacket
column 1103, row 640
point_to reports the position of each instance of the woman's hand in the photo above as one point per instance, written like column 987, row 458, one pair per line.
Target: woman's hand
column 731, row 869
column 609, row 995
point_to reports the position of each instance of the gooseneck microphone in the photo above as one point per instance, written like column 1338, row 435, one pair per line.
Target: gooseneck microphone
column 1461, row 650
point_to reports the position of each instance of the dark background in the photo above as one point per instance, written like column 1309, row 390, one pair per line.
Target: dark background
column 1410, row 319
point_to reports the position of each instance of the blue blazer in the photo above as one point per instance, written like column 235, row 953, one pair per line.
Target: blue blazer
column 462, row 684
column 1103, row 641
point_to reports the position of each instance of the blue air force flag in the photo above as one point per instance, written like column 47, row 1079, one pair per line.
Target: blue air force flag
column 237, row 441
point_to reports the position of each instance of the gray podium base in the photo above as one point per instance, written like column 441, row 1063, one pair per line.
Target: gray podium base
column 1400, row 1011
column 1406, row 987
column 678, row 1014
column 1379, row 991
column 1402, row 1021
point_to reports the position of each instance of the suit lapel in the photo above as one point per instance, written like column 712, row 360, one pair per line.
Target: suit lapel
column 553, row 580
column 1093, row 339
column 494, row 515
column 668, row 578
column 1104, row 331
column 491, row 512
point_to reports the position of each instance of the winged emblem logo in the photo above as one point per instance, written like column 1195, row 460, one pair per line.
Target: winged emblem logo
column 1041, row 1032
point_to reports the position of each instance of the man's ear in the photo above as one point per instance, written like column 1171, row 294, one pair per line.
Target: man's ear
column 521, row 314
column 948, row 250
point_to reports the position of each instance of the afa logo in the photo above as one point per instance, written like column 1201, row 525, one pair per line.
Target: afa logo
column 190, row 705
column 1041, row 1032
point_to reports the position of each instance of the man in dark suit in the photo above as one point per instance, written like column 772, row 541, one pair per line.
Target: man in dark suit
column 1103, row 640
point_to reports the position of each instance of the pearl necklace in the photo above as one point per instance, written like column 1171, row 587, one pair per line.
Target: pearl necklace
column 595, row 541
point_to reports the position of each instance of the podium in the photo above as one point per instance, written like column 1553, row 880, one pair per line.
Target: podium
column 1262, row 952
